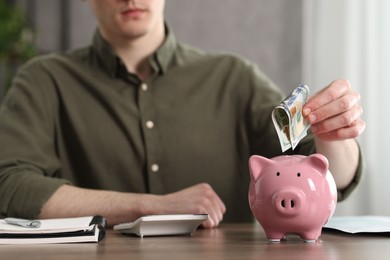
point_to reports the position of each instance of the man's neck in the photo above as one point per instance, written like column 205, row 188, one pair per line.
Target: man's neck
column 135, row 53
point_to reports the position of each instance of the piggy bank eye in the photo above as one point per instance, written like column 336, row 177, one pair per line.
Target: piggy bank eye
column 278, row 174
column 299, row 174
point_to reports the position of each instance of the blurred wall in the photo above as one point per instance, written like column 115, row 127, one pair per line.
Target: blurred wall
column 268, row 32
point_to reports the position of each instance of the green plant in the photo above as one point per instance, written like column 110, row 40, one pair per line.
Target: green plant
column 16, row 39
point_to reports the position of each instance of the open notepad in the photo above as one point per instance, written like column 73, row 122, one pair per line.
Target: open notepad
column 63, row 230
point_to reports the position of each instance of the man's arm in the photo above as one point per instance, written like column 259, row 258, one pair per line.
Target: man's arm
column 343, row 157
column 118, row 207
column 335, row 117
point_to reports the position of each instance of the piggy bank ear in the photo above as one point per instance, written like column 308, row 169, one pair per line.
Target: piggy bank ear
column 318, row 162
column 257, row 164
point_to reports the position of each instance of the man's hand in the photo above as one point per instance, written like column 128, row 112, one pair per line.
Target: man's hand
column 334, row 112
column 197, row 199
column 335, row 115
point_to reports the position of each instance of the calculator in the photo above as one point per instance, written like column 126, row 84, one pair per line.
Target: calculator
column 163, row 225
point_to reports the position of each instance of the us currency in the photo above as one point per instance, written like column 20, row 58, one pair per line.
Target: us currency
column 288, row 119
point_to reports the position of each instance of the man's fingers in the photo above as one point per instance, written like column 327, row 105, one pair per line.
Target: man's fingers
column 333, row 91
column 200, row 199
column 214, row 207
column 348, row 132
column 342, row 120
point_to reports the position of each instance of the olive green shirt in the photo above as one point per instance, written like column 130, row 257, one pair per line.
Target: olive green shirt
column 80, row 118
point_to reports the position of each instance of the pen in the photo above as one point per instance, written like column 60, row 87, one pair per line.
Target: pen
column 23, row 222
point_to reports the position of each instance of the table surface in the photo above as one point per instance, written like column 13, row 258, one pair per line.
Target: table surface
column 228, row 241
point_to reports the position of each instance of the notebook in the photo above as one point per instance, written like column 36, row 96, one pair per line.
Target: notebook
column 61, row 230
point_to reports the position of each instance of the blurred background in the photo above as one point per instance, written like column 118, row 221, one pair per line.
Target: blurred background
column 292, row 41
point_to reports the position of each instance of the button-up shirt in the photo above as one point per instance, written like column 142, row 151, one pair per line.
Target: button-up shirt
column 81, row 118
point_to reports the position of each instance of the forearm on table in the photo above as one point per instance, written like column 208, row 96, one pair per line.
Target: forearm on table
column 116, row 207
column 343, row 157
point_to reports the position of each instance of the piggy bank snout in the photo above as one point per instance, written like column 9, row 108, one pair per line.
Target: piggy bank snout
column 289, row 202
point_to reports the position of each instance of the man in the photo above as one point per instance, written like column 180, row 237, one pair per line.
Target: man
column 140, row 124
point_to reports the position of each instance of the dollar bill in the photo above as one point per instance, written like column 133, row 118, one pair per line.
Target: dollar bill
column 288, row 119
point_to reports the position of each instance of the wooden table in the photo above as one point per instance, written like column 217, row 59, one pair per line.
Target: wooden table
column 229, row 241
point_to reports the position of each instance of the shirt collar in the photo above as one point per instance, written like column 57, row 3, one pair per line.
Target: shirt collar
column 159, row 61
column 164, row 54
column 105, row 54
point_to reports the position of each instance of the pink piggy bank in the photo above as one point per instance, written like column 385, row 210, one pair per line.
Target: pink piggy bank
column 292, row 195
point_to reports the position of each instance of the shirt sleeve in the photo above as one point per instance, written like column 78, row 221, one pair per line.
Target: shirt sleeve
column 29, row 167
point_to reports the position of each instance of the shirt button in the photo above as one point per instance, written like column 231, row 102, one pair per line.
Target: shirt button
column 154, row 167
column 149, row 124
column 144, row 86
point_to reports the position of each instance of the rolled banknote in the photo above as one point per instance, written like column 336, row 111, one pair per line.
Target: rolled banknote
column 288, row 119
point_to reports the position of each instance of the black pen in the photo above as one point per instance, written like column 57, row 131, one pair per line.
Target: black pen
column 23, row 222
